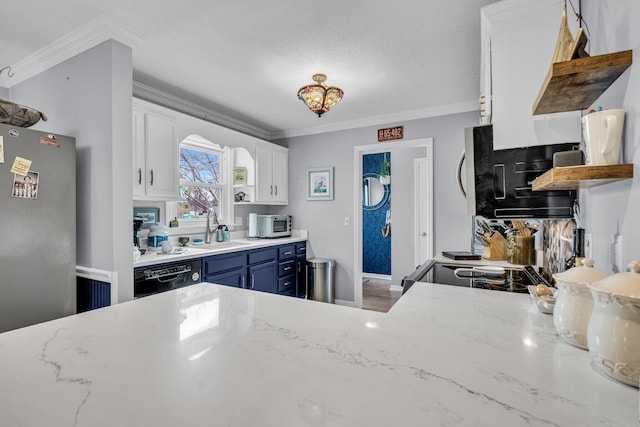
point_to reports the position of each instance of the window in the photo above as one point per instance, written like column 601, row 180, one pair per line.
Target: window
column 203, row 183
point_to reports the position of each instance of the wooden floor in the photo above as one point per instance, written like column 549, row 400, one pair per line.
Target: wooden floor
column 376, row 296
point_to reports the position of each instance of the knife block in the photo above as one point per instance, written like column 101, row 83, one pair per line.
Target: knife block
column 497, row 249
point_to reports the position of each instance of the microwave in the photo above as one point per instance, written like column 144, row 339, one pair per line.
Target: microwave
column 499, row 181
column 273, row 226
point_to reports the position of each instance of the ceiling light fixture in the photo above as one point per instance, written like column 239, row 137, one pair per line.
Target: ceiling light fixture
column 319, row 97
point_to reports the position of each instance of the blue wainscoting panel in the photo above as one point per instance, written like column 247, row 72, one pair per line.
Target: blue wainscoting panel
column 92, row 294
column 376, row 249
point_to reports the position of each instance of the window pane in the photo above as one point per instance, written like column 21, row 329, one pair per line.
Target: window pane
column 197, row 201
column 200, row 166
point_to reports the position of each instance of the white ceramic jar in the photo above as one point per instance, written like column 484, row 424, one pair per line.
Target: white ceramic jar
column 614, row 329
column 574, row 302
column 157, row 234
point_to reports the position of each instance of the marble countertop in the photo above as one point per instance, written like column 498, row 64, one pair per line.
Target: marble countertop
column 214, row 248
column 213, row 355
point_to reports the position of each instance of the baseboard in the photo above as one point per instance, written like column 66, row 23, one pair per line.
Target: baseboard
column 376, row 276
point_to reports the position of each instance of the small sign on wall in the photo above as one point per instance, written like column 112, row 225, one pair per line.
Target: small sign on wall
column 389, row 134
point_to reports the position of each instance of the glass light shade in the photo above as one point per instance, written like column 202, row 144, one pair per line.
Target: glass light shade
column 318, row 97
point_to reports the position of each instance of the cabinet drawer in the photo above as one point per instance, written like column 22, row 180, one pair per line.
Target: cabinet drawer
column 264, row 255
column 286, row 267
column 218, row 263
column 287, row 251
column 287, row 285
column 301, row 248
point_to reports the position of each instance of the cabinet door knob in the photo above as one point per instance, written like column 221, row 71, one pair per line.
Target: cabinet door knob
column 423, row 233
column 253, row 281
column 151, row 172
column 243, row 287
column 271, row 190
column 139, row 176
column 276, row 187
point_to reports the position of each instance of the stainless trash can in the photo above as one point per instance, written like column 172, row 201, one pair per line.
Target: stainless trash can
column 320, row 279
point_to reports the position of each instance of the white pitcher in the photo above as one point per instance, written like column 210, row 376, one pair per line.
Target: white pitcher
column 603, row 136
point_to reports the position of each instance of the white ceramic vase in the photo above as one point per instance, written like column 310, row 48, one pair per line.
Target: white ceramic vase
column 614, row 329
column 574, row 302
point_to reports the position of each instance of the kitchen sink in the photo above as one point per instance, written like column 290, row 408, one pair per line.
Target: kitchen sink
column 224, row 245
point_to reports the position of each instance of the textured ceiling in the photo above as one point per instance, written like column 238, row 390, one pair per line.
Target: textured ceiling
column 394, row 60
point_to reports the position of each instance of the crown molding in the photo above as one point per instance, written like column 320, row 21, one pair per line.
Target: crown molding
column 508, row 9
column 460, row 107
column 81, row 39
column 156, row 96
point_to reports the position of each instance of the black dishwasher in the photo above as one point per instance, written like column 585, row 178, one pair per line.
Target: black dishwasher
column 161, row 278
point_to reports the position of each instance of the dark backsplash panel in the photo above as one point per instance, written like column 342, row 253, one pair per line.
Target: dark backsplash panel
column 558, row 245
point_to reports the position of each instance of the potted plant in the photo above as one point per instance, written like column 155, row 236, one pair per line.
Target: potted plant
column 385, row 171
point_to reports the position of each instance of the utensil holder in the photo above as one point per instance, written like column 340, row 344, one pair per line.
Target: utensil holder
column 521, row 250
column 497, row 247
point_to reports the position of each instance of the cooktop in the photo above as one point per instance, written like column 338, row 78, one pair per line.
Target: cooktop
column 505, row 279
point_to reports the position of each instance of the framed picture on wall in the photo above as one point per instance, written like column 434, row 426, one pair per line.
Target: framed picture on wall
column 239, row 175
column 151, row 216
column 320, row 183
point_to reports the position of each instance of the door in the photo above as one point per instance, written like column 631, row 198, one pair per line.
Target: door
column 233, row 278
column 423, row 220
column 280, row 176
column 264, row 166
column 162, row 157
column 139, row 169
column 262, row 277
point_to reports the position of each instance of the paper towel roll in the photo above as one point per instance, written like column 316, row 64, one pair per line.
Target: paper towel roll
column 253, row 225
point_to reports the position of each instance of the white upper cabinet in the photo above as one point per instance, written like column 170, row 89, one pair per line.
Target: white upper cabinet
column 272, row 175
column 518, row 41
column 155, row 154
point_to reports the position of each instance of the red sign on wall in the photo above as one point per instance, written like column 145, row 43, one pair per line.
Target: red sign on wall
column 389, row 134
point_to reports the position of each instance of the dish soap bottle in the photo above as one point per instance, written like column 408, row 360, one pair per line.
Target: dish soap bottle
column 227, row 235
column 220, row 234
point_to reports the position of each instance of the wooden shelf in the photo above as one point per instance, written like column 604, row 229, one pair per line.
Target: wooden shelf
column 575, row 177
column 576, row 84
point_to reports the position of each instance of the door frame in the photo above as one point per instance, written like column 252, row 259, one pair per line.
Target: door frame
column 358, row 152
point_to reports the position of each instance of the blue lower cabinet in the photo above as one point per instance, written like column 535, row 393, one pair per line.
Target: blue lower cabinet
column 235, row 278
column 301, row 270
column 262, row 277
column 277, row 269
column 301, row 276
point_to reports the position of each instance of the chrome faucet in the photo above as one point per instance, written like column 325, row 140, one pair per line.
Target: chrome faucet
column 209, row 231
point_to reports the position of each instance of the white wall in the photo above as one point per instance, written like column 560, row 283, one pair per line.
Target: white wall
column 4, row 92
column 89, row 97
column 328, row 237
column 614, row 208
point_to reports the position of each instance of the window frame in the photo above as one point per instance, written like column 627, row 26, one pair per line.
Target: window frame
column 225, row 215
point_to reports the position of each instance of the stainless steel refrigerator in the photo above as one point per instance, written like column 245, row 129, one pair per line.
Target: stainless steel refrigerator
column 38, row 223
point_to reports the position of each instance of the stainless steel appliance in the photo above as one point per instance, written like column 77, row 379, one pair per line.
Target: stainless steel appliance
column 38, row 215
column 166, row 277
column 510, row 279
column 273, row 226
column 499, row 181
